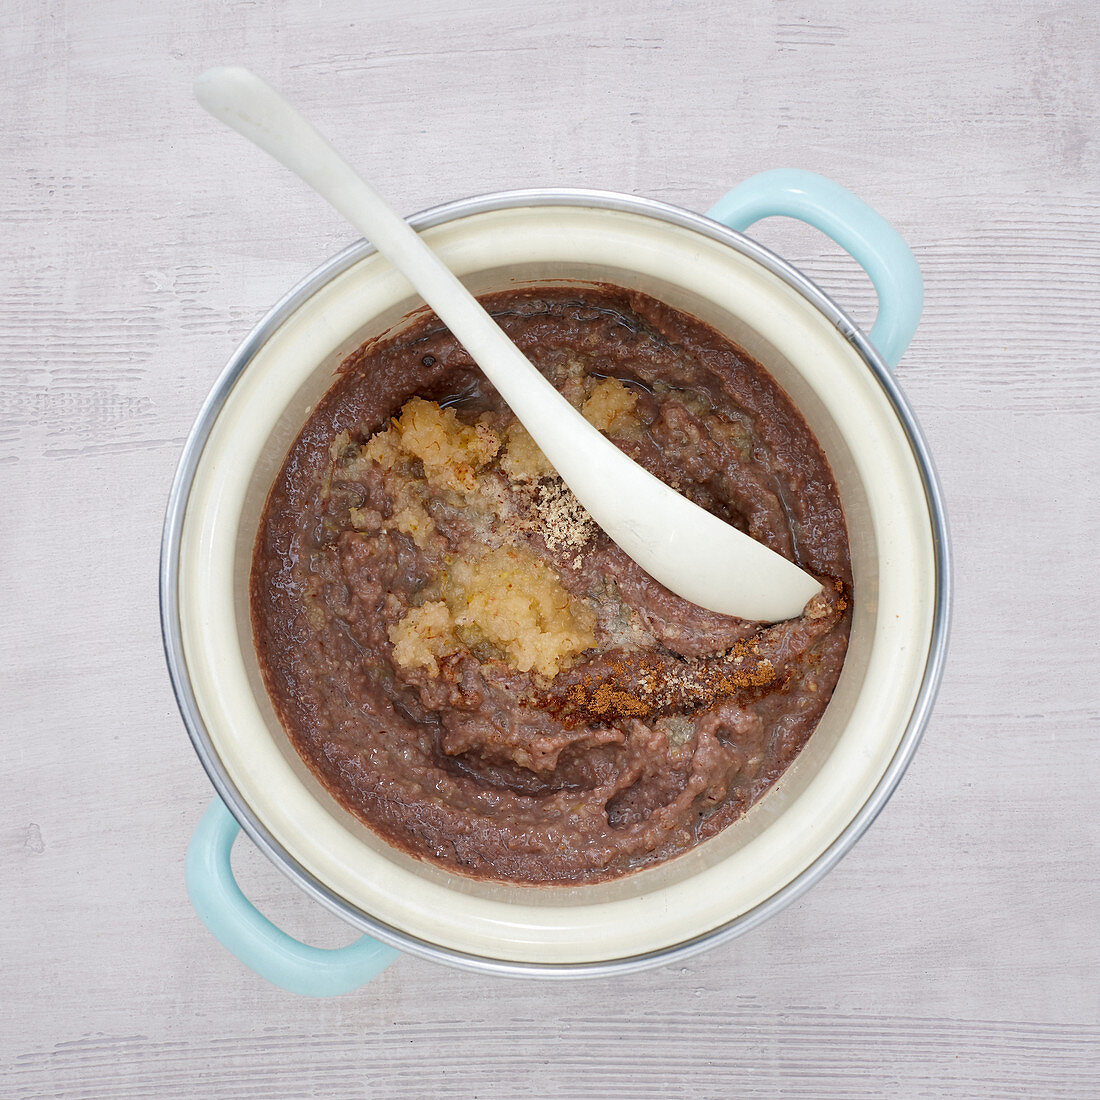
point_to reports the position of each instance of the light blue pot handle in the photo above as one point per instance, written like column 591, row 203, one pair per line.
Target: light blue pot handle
column 871, row 241
column 246, row 933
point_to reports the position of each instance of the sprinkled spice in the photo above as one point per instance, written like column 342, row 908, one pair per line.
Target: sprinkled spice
column 562, row 520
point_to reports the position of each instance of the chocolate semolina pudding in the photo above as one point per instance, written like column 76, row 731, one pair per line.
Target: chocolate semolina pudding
column 471, row 666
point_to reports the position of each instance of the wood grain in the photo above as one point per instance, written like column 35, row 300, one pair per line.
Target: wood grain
column 797, row 1053
column 955, row 951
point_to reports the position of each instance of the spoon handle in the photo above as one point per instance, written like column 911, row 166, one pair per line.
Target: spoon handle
column 253, row 108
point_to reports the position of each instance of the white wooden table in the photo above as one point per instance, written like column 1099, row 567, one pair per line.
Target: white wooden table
column 955, row 952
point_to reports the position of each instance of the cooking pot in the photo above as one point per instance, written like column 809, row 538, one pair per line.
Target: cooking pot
column 842, row 384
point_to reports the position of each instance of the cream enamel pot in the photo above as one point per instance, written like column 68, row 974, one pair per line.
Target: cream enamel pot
column 844, row 389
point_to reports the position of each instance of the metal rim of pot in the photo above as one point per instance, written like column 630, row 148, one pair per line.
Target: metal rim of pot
column 170, row 603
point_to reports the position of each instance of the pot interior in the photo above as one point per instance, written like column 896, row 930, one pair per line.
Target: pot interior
column 752, row 860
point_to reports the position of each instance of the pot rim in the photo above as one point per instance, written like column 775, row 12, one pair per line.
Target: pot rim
column 170, row 605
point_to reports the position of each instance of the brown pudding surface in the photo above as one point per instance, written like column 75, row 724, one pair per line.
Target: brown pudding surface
column 471, row 666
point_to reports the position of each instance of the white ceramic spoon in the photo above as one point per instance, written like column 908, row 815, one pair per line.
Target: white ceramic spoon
column 691, row 552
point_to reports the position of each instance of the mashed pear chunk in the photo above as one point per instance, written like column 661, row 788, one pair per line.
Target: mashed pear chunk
column 423, row 636
column 506, row 598
column 522, row 460
column 610, row 408
column 451, row 452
